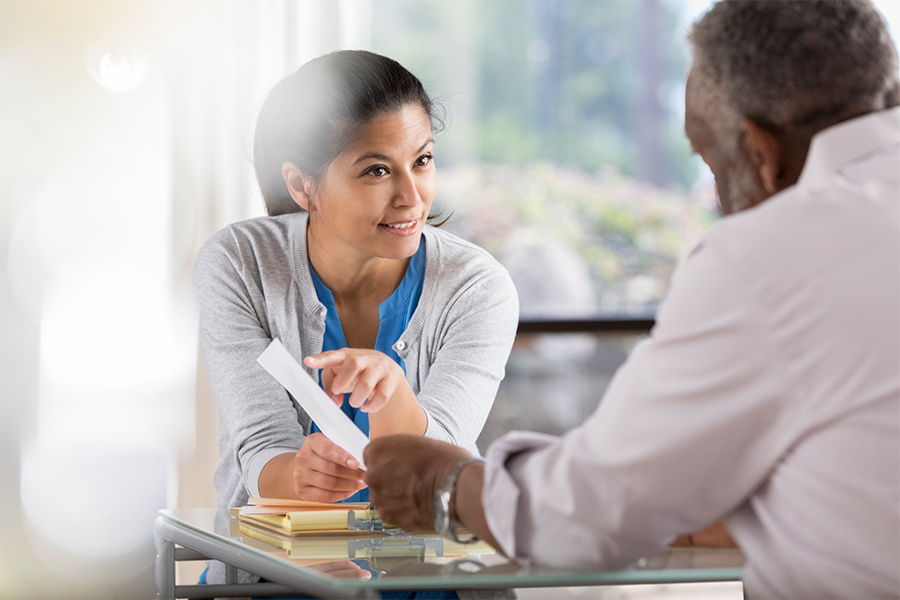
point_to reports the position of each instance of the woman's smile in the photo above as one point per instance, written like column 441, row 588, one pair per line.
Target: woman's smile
column 401, row 228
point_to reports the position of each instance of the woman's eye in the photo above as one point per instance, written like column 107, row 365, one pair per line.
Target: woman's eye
column 377, row 171
column 424, row 160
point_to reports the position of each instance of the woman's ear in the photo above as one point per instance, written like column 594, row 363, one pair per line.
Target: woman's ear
column 765, row 155
column 298, row 184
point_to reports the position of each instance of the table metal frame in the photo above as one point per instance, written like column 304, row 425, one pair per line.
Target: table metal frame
column 178, row 541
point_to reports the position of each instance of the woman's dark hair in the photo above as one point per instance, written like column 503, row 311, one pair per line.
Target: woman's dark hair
column 311, row 116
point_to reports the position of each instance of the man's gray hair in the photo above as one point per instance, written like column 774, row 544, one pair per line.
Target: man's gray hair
column 797, row 66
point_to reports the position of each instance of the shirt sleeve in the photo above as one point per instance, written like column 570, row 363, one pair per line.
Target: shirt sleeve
column 257, row 418
column 462, row 381
column 689, row 427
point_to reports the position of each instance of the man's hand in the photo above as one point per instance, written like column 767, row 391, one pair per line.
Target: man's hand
column 403, row 473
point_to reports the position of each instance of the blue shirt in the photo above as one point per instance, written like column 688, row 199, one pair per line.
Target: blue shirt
column 394, row 314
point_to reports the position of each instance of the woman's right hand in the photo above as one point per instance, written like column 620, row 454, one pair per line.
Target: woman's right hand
column 325, row 472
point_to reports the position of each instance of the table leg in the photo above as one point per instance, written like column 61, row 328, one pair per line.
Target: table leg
column 231, row 574
column 165, row 564
column 288, row 578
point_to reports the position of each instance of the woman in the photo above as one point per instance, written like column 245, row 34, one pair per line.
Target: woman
column 409, row 324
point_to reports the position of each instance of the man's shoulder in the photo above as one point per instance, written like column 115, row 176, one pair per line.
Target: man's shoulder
column 796, row 236
column 834, row 205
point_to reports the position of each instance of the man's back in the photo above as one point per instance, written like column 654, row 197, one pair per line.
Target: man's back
column 822, row 260
column 768, row 395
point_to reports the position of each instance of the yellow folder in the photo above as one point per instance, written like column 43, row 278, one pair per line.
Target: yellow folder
column 338, row 519
column 358, row 545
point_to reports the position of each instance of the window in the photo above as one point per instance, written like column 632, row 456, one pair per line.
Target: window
column 563, row 155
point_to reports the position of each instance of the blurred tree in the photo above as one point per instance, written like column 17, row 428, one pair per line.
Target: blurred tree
column 582, row 83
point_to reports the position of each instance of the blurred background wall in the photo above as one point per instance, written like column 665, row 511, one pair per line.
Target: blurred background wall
column 125, row 130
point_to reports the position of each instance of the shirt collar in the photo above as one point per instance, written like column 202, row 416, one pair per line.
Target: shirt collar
column 414, row 274
column 836, row 146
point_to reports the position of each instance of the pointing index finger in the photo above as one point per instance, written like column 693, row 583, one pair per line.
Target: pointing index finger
column 325, row 359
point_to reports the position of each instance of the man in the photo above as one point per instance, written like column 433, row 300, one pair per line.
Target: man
column 768, row 395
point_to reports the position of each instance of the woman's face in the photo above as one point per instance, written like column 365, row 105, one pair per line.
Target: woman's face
column 374, row 198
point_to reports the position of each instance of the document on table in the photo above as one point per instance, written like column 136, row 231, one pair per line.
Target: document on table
column 332, row 421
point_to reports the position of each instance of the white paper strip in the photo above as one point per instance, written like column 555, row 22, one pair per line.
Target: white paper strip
column 333, row 422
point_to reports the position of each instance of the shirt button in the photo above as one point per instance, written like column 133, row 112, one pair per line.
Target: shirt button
column 401, row 345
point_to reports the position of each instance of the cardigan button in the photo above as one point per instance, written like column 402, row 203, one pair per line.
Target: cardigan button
column 322, row 312
column 401, row 345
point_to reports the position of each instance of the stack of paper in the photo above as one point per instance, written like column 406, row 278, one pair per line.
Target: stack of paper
column 373, row 546
column 296, row 517
column 318, row 531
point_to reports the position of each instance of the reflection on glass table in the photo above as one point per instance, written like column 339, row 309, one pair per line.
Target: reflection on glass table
column 377, row 553
column 360, row 564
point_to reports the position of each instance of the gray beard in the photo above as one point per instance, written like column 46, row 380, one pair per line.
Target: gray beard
column 740, row 190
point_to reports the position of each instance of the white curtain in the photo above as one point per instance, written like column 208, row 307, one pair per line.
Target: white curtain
column 126, row 132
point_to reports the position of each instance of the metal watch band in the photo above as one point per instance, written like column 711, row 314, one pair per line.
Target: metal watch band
column 443, row 523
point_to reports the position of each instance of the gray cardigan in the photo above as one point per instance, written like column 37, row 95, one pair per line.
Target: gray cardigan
column 252, row 284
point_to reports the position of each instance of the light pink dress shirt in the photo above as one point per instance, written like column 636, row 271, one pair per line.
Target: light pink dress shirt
column 768, row 395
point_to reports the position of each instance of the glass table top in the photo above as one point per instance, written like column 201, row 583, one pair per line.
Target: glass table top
column 423, row 561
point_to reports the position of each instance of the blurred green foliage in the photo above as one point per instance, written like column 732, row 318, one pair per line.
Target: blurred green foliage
column 564, row 140
column 580, row 83
column 628, row 236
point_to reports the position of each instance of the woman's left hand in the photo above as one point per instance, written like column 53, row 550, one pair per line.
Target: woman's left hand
column 364, row 374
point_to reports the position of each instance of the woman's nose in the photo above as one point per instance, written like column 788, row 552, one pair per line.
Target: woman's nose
column 406, row 192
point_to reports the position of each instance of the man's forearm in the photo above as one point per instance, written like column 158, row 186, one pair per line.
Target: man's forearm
column 467, row 503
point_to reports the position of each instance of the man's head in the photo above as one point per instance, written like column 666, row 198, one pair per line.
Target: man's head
column 769, row 75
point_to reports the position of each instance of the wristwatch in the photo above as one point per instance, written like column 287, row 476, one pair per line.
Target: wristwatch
column 444, row 524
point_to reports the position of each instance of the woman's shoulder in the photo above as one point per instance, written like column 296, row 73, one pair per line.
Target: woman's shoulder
column 450, row 249
column 258, row 232
column 458, row 263
column 256, row 237
column 259, row 248
column 463, row 279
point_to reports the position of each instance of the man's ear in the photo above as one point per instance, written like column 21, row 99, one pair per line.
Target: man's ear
column 765, row 155
column 298, row 184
